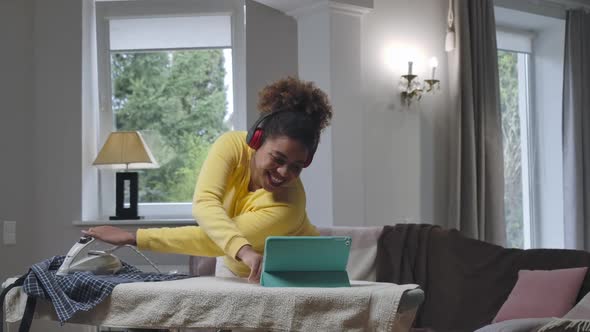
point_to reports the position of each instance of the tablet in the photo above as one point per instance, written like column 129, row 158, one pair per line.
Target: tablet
column 306, row 261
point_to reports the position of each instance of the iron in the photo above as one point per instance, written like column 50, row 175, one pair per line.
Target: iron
column 96, row 261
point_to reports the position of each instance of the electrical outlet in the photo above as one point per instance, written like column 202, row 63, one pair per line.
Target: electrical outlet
column 9, row 232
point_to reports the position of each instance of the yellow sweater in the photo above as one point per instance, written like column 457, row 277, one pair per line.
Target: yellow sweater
column 228, row 214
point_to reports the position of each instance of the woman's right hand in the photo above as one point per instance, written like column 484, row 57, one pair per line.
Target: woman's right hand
column 253, row 259
column 112, row 235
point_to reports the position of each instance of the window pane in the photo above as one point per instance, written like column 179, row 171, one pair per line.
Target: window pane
column 178, row 100
column 513, row 107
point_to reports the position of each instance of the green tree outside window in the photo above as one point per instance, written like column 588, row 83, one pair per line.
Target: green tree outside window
column 177, row 99
column 513, row 200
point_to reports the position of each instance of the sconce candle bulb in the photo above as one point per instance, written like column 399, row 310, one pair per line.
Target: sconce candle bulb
column 410, row 63
column 433, row 64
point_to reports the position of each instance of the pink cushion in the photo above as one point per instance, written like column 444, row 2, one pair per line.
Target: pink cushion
column 540, row 294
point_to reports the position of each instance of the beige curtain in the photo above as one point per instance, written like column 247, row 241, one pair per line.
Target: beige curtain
column 576, row 131
column 476, row 156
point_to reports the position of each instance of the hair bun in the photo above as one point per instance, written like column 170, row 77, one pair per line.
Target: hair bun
column 294, row 95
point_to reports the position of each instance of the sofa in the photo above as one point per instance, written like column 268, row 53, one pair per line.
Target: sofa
column 464, row 281
column 467, row 282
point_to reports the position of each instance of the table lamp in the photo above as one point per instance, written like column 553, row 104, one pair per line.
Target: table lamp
column 125, row 150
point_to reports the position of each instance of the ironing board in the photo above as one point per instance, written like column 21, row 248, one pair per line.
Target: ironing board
column 230, row 303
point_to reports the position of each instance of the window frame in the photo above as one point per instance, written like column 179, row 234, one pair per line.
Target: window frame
column 103, row 195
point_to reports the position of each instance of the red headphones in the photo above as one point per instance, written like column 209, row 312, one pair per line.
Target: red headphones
column 256, row 132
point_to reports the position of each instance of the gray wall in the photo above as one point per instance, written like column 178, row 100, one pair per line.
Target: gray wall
column 17, row 133
column 39, row 132
column 57, row 108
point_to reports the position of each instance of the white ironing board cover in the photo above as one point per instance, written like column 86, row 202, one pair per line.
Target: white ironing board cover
column 214, row 302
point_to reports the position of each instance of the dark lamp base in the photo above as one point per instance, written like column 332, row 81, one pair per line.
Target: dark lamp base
column 125, row 218
column 123, row 212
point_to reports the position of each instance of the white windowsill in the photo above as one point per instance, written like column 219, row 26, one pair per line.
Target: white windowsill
column 138, row 222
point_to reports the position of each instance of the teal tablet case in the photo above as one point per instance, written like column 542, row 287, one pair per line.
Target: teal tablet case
column 306, row 261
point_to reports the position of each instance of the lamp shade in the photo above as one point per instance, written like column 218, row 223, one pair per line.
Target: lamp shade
column 125, row 150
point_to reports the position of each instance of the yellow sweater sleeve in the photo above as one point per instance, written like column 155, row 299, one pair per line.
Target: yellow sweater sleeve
column 222, row 159
column 254, row 226
column 187, row 240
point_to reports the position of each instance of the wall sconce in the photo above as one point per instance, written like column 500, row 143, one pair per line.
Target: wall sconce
column 410, row 86
column 412, row 89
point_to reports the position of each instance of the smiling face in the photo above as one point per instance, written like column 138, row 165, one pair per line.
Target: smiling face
column 276, row 163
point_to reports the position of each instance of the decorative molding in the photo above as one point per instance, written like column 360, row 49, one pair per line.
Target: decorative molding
column 333, row 6
column 306, row 10
column 347, row 9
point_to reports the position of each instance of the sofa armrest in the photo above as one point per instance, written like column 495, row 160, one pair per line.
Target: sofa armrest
column 411, row 300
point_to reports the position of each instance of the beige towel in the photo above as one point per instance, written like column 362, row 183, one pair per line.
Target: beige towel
column 209, row 302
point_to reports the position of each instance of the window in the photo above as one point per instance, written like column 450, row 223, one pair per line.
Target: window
column 514, row 68
column 534, row 43
column 165, row 69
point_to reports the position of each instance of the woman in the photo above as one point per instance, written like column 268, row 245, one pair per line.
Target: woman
column 249, row 186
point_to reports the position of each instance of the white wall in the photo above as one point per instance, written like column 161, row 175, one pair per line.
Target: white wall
column 405, row 148
column 17, row 191
column 376, row 165
column 314, row 64
column 330, row 56
column 348, row 123
column 271, row 51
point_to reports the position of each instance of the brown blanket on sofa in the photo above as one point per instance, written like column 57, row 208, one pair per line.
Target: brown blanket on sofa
column 466, row 281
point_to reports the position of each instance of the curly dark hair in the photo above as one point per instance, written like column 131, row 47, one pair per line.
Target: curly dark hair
column 304, row 110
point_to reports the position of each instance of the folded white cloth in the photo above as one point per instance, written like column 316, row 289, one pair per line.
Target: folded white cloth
column 213, row 302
